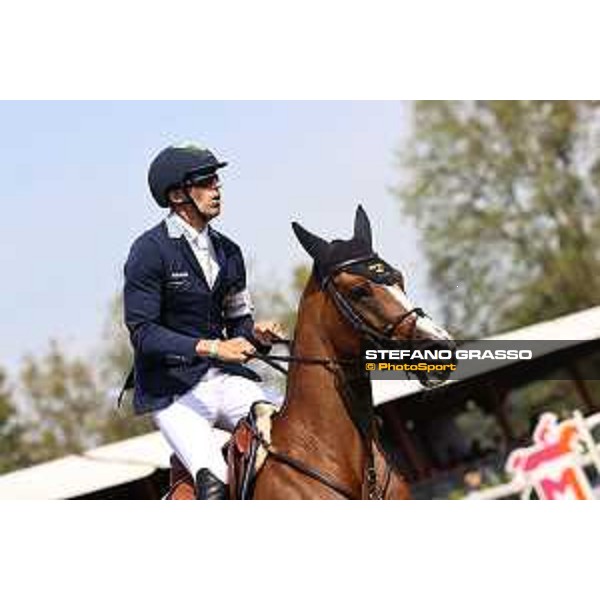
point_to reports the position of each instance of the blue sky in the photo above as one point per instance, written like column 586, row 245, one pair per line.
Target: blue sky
column 75, row 196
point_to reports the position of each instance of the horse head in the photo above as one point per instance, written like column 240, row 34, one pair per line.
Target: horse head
column 364, row 296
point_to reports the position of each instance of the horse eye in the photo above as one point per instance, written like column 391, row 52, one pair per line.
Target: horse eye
column 359, row 292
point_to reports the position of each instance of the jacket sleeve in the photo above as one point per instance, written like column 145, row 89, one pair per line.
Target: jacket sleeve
column 143, row 300
column 238, row 308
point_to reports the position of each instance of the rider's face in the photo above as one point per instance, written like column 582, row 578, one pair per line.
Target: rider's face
column 206, row 195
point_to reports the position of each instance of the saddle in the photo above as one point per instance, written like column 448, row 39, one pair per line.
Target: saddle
column 245, row 454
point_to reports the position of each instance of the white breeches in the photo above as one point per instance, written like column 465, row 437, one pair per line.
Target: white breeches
column 217, row 399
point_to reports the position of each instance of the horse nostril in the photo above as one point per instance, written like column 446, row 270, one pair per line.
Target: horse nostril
column 449, row 345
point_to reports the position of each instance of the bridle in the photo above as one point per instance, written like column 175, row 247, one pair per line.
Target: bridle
column 367, row 430
column 357, row 321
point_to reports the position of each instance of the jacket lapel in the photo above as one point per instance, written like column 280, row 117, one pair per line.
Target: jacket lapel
column 179, row 241
column 187, row 251
column 220, row 253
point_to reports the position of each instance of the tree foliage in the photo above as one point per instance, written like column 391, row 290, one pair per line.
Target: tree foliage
column 68, row 409
column 68, row 406
column 13, row 451
column 507, row 197
column 275, row 302
column 63, row 404
column 116, row 357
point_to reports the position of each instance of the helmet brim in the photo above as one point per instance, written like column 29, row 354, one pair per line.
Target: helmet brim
column 205, row 172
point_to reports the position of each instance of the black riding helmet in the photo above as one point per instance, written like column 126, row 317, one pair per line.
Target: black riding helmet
column 176, row 166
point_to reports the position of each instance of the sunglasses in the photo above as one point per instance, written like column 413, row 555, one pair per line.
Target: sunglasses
column 210, row 182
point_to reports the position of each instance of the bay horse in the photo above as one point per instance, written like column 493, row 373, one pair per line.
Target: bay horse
column 325, row 443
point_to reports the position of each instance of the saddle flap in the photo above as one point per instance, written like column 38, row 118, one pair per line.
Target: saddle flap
column 242, row 438
column 246, row 454
column 181, row 482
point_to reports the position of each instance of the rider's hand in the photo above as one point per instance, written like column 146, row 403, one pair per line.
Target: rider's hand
column 236, row 350
column 267, row 332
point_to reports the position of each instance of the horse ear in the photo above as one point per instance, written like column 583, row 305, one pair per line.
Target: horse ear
column 362, row 227
column 313, row 244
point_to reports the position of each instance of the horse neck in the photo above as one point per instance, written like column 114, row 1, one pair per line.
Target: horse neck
column 315, row 409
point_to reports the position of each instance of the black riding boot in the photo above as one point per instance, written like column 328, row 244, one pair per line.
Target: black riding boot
column 209, row 487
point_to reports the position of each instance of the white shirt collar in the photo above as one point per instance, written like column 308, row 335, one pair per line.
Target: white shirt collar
column 199, row 238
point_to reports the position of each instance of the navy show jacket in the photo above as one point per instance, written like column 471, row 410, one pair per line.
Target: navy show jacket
column 169, row 307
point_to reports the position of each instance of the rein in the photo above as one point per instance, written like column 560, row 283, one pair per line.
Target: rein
column 273, row 360
column 300, row 466
column 374, row 493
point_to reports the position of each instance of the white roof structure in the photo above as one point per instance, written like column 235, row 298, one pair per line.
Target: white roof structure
column 136, row 458
column 580, row 326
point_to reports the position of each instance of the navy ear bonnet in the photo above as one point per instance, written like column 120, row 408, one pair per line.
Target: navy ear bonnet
column 355, row 255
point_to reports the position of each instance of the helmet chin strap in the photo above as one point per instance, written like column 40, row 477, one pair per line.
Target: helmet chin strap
column 189, row 200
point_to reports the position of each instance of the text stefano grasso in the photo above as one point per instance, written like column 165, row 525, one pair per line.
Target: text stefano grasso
column 437, row 354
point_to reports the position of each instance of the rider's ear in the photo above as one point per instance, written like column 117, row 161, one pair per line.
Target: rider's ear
column 313, row 244
column 362, row 227
column 176, row 196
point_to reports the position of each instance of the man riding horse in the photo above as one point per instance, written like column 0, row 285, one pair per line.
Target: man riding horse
column 189, row 316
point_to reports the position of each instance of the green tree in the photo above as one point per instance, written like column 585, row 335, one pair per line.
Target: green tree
column 69, row 408
column 273, row 302
column 116, row 355
column 63, row 405
column 507, row 197
column 116, row 360
column 13, row 452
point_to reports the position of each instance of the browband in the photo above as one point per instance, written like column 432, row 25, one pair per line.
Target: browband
column 347, row 263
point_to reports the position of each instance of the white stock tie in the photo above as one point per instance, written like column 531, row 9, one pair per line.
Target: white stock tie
column 206, row 261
